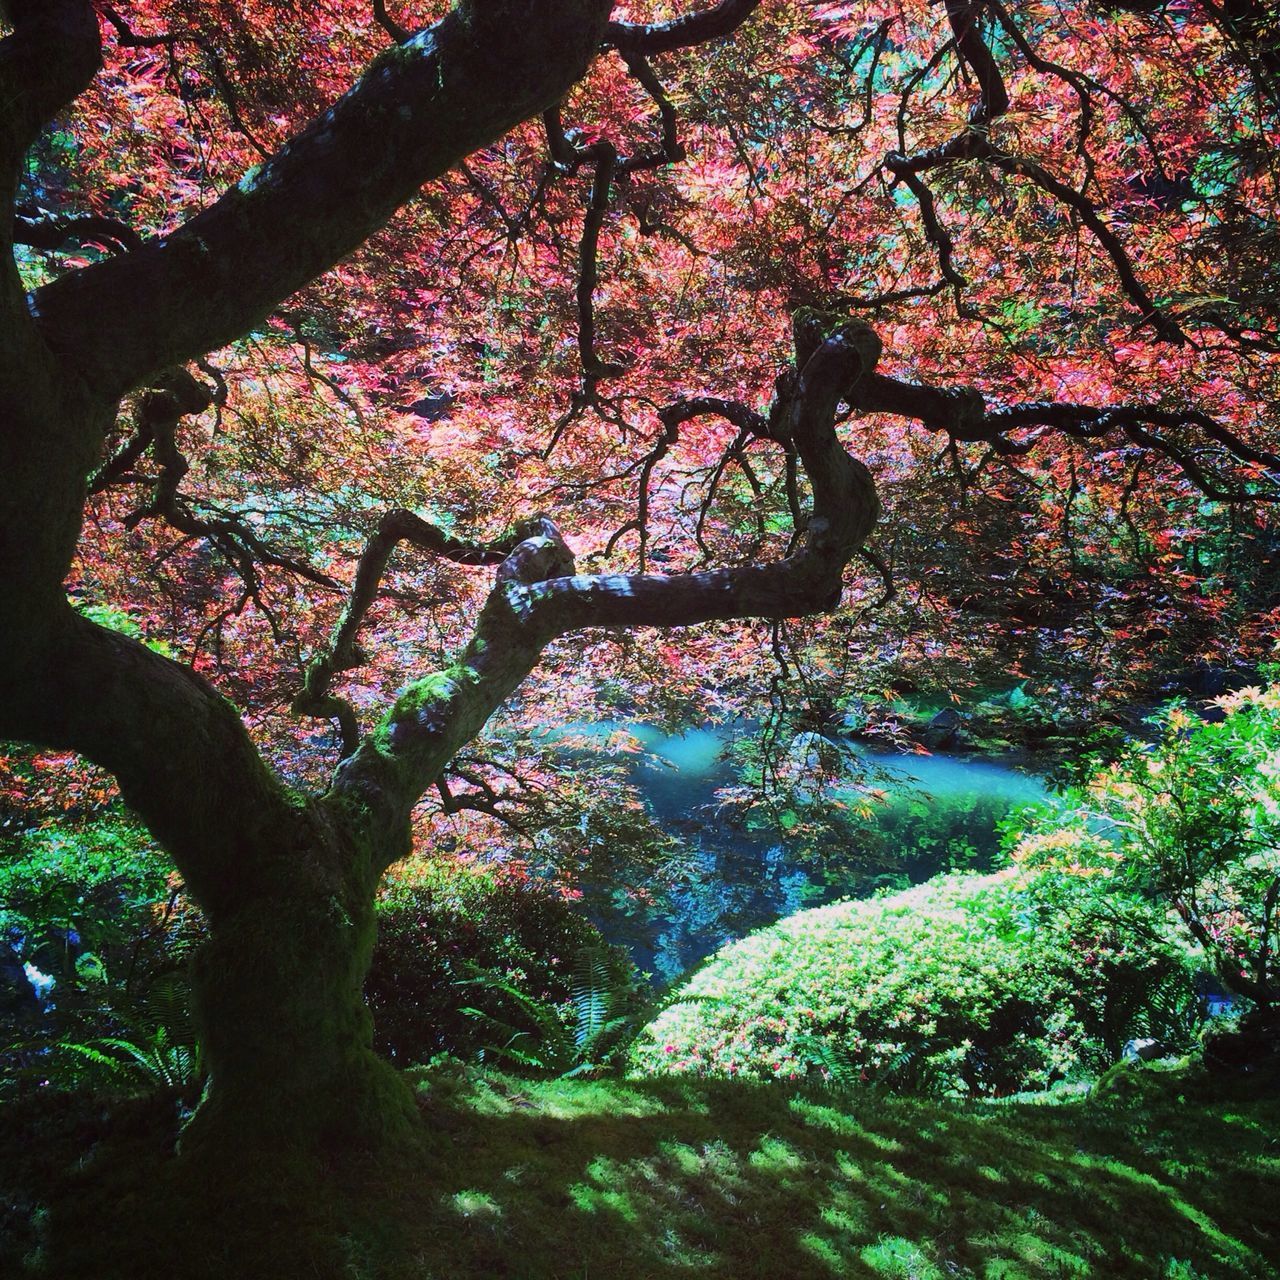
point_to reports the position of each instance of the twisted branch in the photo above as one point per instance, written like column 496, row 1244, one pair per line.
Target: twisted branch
column 343, row 653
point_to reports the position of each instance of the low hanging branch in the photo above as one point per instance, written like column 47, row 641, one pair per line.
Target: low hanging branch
column 749, row 423
column 160, row 409
column 538, row 597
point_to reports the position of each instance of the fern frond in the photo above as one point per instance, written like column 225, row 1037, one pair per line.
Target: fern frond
column 595, row 992
column 110, row 1065
column 832, row 1057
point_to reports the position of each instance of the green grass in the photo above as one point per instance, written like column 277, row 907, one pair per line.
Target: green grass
column 1175, row 1179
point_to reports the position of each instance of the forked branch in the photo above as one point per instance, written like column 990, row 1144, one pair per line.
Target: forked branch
column 343, row 653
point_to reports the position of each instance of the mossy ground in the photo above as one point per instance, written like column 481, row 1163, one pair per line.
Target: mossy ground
column 1172, row 1177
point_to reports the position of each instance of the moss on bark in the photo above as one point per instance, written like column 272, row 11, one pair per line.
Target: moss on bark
column 286, row 1034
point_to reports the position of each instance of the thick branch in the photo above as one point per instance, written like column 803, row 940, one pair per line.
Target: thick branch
column 179, row 750
column 49, row 58
column 538, row 598
column 720, row 20
column 963, row 16
column 670, row 149
column 418, row 110
column 742, row 416
column 593, row 368
column 959, row 411
column 399, row 34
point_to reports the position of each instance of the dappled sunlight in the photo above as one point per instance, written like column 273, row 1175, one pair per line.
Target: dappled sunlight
column 764, row 1182
column 894, row 1256
column 552, row 1180
column 473, row 1204
column 1230, row 1246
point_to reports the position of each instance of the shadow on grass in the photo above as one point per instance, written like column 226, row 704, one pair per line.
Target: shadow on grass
column 643, row 1181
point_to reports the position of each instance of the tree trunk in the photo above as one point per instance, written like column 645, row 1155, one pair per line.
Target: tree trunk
column 285, row 1034
column 287, row 883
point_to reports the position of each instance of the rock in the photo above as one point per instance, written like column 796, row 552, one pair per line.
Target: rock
column 1252, row 1050
column 18, row 995
column 432, row 407
column 809, row 752
column 944, row 729
column 1143, row 1051
column 1126, row 1084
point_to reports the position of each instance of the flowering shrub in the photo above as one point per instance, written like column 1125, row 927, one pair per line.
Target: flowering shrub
column 1188, row 827
column 967, row 984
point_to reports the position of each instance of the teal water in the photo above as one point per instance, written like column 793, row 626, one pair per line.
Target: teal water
column 927, row 814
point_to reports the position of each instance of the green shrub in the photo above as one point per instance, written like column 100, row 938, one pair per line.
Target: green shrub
column 75, row 900
column 436, row 928
column 967, row 984
column 93, row 918
column 1187, row 828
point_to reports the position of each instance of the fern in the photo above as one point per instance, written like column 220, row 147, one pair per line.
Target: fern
column 159, row 1060
column 596, row 990
column 832, row 1057
column 87, row 1064
column 604, row 1027
column 157, row 1047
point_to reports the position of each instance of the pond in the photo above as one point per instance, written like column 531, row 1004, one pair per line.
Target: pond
column 885, row 821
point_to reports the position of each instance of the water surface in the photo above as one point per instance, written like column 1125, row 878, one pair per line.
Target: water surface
column 927, row 813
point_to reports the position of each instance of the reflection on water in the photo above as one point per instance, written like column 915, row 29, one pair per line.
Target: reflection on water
column 695, row 753
column 933, row 813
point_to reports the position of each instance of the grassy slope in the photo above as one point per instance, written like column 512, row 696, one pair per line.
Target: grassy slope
column 665, row 1179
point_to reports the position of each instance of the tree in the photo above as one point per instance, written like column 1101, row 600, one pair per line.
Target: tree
column 1135, row 333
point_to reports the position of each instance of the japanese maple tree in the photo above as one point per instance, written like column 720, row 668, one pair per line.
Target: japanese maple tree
column 680, row 286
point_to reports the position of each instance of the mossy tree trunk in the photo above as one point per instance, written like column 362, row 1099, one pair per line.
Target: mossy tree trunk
column 285, row 1034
